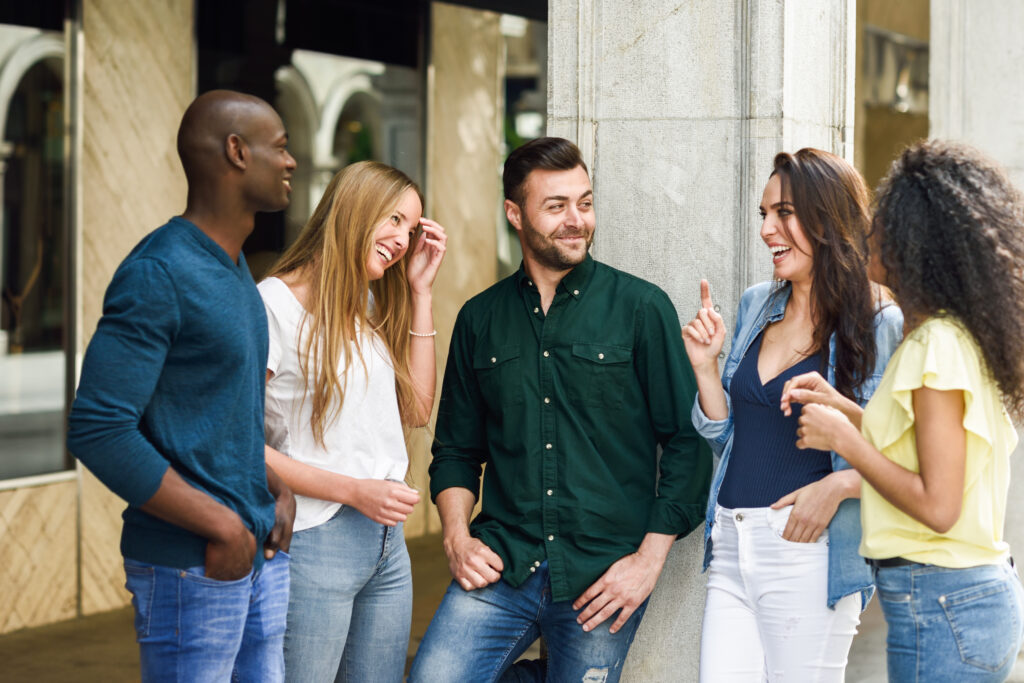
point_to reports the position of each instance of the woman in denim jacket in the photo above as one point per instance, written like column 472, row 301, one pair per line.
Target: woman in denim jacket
column 786, row 585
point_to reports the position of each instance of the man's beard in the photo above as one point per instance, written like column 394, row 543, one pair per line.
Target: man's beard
column 547, row 252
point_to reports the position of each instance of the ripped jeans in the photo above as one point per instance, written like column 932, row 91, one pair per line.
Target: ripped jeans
column 476, row 636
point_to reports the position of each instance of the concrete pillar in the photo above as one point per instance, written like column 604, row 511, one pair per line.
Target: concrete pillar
column 465, row 78
column 138, row 75
column 974, row 87
column 679, row 109
column 975, row 95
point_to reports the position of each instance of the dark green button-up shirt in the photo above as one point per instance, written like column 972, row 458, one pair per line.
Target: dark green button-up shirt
column 567, row 411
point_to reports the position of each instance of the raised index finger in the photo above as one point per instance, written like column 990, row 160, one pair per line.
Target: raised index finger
column 705, row 295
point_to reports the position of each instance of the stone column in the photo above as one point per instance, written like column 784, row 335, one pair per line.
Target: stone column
column 465, row 78
column 679, row 109
column 138, row 75
column 975, row 95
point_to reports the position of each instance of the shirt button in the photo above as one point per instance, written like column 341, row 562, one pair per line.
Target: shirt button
column 575, row 292
column 533, row 569
column 548, row 446
column 536, row 563
column 600, row 356
column 536, row 309
column 546, row 354
column 739, row 517
column 550, row 492
column 551, row 537
column 547, row 399
column 493, row 359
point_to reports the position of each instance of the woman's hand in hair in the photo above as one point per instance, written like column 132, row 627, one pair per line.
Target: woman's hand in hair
column 426, row 256
column 385, row 502
column 704, row 336
column 810, row 388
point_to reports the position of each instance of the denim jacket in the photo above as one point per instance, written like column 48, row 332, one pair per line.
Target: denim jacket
column 760, row 305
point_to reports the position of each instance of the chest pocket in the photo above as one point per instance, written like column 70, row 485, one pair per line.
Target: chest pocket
column 599, row 374
column 499, row 376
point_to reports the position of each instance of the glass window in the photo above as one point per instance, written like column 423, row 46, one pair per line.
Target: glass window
column 33, row 252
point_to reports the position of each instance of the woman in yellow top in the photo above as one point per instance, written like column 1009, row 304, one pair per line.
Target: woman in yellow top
column 933, row 444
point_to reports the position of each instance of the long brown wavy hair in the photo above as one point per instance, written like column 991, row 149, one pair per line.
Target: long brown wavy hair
column 830, row 199
column 330, row 254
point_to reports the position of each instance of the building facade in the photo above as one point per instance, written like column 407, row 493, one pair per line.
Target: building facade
column 679, row 109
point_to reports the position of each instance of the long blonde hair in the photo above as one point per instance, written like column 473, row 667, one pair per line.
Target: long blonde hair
column 330, row 254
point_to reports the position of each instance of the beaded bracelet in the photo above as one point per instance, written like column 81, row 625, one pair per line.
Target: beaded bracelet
column 423, row 334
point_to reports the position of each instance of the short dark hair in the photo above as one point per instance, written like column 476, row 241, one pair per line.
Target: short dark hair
column 548, row 154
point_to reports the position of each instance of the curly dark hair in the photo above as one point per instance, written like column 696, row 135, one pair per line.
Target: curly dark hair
column 950, row 233
column 831, row 201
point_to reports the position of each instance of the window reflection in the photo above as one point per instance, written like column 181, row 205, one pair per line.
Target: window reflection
column 33, row 251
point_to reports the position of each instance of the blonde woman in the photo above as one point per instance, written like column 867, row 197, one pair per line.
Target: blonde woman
column 351, row 364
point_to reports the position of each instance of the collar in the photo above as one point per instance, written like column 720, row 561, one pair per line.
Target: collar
column 777, row 301
column 574, row 283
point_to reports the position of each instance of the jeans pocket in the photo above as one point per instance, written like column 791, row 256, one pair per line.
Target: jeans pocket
column 140, row 580
column 985, row 623
column 197, row 575
column 777, row 521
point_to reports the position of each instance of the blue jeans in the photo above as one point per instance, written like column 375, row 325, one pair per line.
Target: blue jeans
column 951, row 624
column 193, row 628
column 351, row 602
column 475, row 637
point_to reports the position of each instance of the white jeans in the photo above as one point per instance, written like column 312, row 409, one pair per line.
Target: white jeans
column 766, row 617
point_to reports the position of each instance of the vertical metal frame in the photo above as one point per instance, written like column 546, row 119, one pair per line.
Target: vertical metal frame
column 72, row 201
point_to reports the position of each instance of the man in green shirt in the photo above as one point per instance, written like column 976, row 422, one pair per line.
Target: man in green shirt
column 563, row 379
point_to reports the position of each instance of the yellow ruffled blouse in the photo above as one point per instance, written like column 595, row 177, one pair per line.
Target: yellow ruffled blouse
column 940, row 354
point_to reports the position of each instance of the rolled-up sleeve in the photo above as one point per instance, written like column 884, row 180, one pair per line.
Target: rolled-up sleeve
column 716, row 432
column 460, row 438
column 120, row 371
column 670, row 387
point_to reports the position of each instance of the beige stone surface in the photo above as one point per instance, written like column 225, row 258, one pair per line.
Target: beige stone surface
column 37, row 577
column 464, row 156
column 102, row 569
column 138, row 78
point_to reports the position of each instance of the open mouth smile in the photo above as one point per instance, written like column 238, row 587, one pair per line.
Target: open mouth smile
column 385, row 253
column 778, row 252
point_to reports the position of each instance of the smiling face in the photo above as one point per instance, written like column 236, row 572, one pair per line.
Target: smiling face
column 781, row 230
column 270, row 166
column 392, row 236
column 556, row 222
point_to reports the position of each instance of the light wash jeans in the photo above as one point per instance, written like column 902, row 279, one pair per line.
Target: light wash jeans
column 475, row 636
column 766, row 617
column 351, row 602
column 954, row 625
column 193, row 628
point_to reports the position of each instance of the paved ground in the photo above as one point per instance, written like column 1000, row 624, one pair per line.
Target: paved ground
column 102, row 647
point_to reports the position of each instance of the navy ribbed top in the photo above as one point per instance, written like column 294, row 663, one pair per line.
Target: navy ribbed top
column 765, row 463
